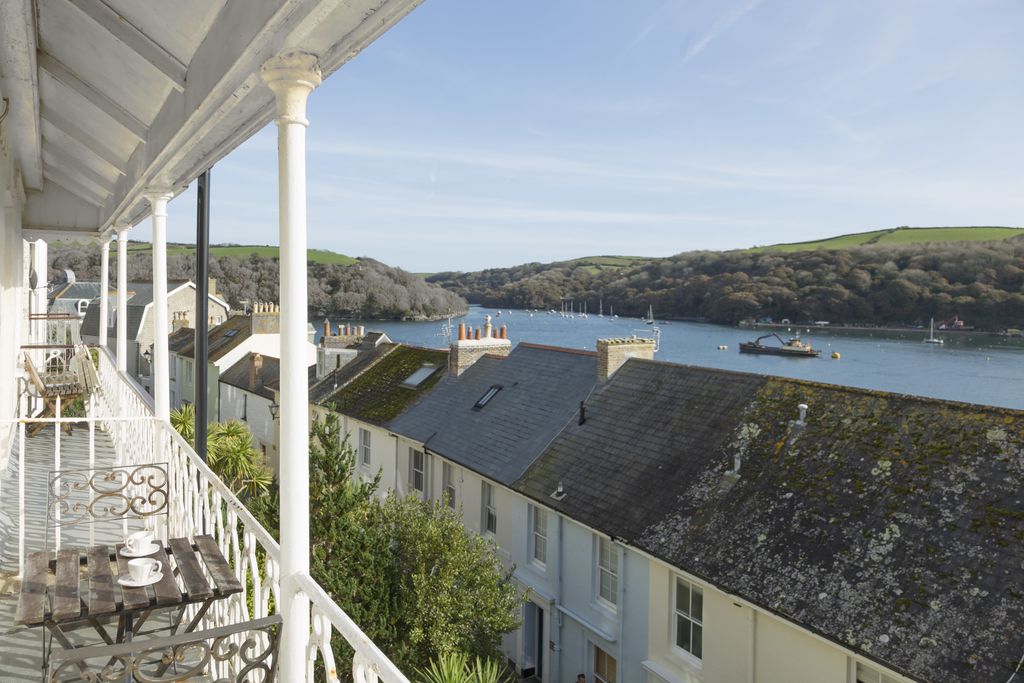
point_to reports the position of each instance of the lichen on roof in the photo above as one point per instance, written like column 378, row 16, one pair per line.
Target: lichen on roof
column 377, row 395
column 892, row 525
column 889, row 523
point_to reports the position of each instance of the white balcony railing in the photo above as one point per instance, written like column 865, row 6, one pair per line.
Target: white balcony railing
column 202, row 504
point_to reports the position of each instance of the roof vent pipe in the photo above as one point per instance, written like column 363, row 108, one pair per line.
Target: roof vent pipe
column 803, row 414
column 559, row 493
column 583, row 412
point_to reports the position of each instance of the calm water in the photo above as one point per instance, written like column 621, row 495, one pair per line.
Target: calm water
column 976, row 368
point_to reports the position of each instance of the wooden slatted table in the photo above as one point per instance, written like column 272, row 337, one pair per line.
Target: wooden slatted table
column 52, row 597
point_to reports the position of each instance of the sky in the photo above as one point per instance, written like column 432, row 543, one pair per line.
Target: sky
column 487, row 134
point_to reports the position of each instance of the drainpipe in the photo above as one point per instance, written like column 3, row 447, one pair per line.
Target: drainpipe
column 292, row 76
column 752, row 648
column 558, row 613
column 621, row 611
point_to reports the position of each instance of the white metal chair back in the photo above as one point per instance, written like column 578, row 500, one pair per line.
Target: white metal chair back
column 106, row 501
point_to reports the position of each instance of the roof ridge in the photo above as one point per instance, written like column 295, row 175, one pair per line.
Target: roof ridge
column 829, row 385
column 561, row 349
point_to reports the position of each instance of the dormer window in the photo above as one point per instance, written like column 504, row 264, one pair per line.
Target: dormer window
column 495, row 388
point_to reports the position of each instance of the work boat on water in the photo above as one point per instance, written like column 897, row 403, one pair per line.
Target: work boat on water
column 794, row 347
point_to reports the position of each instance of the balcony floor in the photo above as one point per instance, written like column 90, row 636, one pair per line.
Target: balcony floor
column 20, row 647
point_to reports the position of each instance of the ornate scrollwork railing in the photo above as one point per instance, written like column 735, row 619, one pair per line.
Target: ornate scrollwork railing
column 125, row 492
column 245, row 652
column 201, row 503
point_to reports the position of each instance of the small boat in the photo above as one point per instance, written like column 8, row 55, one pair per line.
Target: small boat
column 932, row 339
column 650, row 316
column 794, row 347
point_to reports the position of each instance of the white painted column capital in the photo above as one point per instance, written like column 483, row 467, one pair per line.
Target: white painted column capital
column 122, row 296
column 158, row 198
column 160, row 368
column 292, row 76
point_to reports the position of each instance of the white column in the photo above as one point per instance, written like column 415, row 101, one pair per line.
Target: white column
column 122, row 297
column 104, row 287
column 292, row 76
column 160, row 369
column 41, row 266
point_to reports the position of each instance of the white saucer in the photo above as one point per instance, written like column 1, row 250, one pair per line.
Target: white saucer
column 129, row 582
column 153, row 547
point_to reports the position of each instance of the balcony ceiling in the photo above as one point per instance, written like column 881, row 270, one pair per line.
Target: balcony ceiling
column 108, row 97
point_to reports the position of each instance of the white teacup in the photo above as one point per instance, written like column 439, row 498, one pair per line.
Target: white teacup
column 144, row 569
column 140, row 542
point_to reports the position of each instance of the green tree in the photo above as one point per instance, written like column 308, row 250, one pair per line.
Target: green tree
column 414, row 579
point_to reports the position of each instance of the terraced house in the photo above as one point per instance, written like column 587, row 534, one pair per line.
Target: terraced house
column 677, row 524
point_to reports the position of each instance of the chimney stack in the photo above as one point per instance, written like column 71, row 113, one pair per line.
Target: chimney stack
column 327, row 327
column 211, row 285
column 266, row 318
column 612, row 353
column 255, row 370
column 179, row 321
column 473, row 344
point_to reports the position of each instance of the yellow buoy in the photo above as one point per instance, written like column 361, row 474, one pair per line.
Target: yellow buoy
column 835, row 355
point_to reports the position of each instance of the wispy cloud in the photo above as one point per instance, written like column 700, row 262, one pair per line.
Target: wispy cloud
column 718, row 27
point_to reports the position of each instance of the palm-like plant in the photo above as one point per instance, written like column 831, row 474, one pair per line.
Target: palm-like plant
column 183, row 420
column 455, row 667
column 230, row 453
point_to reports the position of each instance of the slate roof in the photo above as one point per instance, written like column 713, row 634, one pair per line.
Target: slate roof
column 180, row 338
column 222, row 338
column 321, row 391
column 891, row 524
column 76, row 291
column 91, row 321
column 376, row 393
column 238, row 375
column 541, row 391
column 140, row 295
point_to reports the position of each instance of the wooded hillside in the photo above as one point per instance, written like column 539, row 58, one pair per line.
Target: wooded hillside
column 366, row 289
column 982, row 282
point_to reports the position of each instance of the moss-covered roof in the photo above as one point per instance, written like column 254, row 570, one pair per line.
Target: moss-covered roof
column 379, row 393
column 891, row 524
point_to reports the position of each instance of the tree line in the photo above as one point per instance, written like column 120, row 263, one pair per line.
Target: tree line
column 981, row 282
column 367, row 289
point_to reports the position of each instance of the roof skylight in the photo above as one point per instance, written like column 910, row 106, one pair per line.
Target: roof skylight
column 417, row 377
column 495, row 388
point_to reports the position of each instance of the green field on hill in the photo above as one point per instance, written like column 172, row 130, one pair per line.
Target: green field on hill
column 245, row 251
column 596, row 264
column 903, row 235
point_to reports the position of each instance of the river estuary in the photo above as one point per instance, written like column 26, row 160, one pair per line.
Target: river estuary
column 976, row 368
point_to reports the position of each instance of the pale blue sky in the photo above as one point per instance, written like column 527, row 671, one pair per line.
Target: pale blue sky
column 480, row 134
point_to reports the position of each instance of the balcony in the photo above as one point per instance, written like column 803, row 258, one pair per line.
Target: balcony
column 120, row 428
